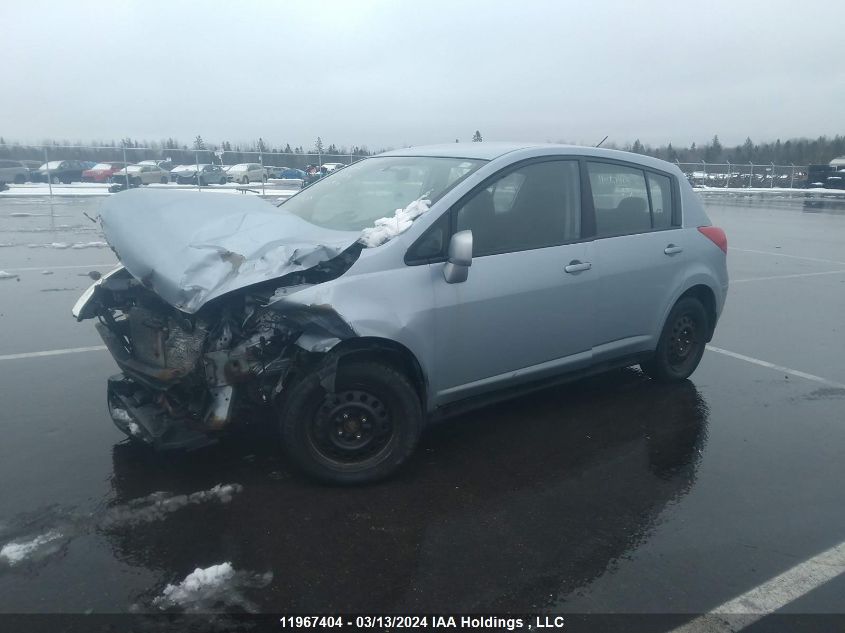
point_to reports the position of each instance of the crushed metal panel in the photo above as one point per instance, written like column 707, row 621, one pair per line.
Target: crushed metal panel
column 190, row 248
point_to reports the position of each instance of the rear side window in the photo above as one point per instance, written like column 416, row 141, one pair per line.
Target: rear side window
column 620, row 199
column 660, row 190
column 535, row 206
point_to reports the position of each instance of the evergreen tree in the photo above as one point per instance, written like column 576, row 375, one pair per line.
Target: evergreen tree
column 261, row 146
column 637, row 147
column 318, row 146
column 671, row 154
column 287, row 149
column 199, row 143
column 476, row 138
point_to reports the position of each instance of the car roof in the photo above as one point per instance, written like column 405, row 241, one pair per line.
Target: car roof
column 490, row 151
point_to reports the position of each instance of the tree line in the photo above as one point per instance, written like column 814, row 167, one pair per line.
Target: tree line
column 171, row 148
column 798, row 151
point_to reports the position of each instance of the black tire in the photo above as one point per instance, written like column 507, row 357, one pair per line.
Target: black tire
column 20, row 179
column 56, row 180
column 165, row 180
column 202, row 182
column 245, row 180
column 359, row 434
column 681, row 343
column 223, row 181
column 137, row 182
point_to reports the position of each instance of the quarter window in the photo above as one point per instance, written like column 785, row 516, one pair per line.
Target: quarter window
column 660, row 190
column 535, row 206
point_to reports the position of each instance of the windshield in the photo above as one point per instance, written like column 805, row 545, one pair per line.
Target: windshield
column 102, row 166
column 355, row 197
column 53, row 164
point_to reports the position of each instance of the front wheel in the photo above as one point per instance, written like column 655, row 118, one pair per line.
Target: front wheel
column 245, row 180
column 360, row 433
column 681, row 343
column 165, row 180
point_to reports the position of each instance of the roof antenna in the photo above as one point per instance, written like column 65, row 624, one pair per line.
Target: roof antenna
column 602, row 141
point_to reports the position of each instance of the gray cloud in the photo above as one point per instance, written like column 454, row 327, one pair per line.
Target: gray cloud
column 397, row 73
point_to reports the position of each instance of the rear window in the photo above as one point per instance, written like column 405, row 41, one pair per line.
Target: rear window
column 629, row 200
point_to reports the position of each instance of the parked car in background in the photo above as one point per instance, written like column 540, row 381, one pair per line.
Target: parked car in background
column 205, row 173
column 406, row 288
column 292, row 173
column 141, row 175
column 246, row 173
column 32, row 166
column 60, row 171
column 166, row 165
column 330, row 167
column 102, row 172
column 271, row 171
column 13, row 171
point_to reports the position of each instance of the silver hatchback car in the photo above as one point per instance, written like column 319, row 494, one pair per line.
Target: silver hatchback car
column 403, row 288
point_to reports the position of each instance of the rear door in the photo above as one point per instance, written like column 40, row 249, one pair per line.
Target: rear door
column 639, row 254
column 526, row 310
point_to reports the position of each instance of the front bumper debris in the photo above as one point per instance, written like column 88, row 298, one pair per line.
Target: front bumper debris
column 134, row 411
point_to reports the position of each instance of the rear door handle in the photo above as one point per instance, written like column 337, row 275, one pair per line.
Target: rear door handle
column 576, row 266
column 672, row 249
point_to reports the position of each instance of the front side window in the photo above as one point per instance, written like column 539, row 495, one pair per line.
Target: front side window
column 535, row 206
column 352, row 199
column 620, row 199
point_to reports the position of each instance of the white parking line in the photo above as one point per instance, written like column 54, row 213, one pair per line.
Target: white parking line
column 53, row 352
column 20, row 270
column 780, row 368
column 795, row 276
column 772, row 595
column 809, row 259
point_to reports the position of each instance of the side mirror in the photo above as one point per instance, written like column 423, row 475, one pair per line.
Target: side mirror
column 456, row 269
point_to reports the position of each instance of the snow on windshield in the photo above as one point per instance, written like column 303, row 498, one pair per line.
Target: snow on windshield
column 101, row 166
column 386, row 229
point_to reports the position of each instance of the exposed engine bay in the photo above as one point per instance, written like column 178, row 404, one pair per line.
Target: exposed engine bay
column 186, row 376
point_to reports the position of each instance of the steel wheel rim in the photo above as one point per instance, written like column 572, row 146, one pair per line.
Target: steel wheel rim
column 351, row 427
column 683, row 340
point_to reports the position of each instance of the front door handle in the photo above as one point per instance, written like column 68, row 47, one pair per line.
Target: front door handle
column 576, row 266
column 672, row 249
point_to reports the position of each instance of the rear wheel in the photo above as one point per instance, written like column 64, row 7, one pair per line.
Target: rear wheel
column 681, row 343
column 360, row 433
column 55, row 180
column 223, row 181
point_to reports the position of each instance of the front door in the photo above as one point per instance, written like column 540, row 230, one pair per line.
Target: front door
column 526, row 310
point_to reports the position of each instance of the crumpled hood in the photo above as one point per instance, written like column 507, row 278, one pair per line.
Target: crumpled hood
column 190, row 247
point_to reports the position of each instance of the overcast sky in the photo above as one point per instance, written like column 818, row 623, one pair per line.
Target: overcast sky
column 414, row 72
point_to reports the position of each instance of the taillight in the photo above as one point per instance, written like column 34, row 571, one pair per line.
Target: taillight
column 715, row 235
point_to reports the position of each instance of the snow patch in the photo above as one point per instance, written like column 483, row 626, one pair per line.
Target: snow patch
column 17, row 552
column 158, row 505
column 214, row 588
column 65, row 245
column 134, row 429
column 385, row 229
column 5, row 275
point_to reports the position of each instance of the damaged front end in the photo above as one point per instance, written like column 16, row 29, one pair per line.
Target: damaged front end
column 186, row 377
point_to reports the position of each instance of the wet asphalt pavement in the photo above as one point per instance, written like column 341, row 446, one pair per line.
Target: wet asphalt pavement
column 609, row 495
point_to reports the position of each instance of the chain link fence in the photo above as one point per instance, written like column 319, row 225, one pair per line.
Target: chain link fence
column 745, row 175
column 206, row 168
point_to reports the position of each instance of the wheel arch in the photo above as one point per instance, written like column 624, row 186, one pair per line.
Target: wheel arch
column 704, row 294
column 384, row 350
